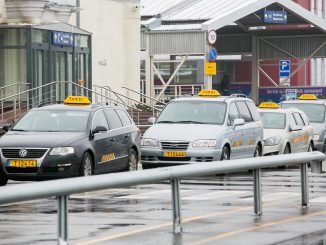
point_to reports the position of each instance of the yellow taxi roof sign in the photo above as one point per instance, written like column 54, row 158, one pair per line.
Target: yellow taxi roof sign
column 209, row 93
column 77, row 100
column 308, row 97
column 269, row 105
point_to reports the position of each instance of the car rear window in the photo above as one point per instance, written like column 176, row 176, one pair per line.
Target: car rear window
column 314, row 112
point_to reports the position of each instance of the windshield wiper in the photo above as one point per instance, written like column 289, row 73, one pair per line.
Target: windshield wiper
column 166, row 122
column 194, row 122
column 21, row 130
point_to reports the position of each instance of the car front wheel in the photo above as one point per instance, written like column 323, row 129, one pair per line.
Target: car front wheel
column 258, row 151
column 3, row 179
column 86, row 168
column 225, row 154
column 133, row 161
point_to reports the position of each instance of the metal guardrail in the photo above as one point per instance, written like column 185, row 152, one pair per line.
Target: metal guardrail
column 64, row 187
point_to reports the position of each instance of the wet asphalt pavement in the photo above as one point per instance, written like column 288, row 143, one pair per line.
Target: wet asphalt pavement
column 215, row 210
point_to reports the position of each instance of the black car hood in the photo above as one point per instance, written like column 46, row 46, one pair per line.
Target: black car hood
column 40, row 139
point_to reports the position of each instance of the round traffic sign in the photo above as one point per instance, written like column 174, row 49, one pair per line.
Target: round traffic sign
column 212, row 36
column 212, row 55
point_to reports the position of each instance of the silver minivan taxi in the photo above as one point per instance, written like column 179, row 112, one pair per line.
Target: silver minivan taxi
column 315, row 110
column 203, row 128
column 285, row 130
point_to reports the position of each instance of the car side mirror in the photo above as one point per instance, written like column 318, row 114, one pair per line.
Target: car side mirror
column 151, row 120
column 238, row 122
column 295, row 128
column 99, row 129
column 6, row 127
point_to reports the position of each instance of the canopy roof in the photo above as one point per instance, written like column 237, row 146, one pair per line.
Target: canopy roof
column 236, row 16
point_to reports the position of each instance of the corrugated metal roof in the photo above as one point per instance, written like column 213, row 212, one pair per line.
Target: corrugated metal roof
column 208, row 9
column 155, row 7
column 189, row 27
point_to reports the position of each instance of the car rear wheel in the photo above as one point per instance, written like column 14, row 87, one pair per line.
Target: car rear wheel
column 86, row 168
column 225, row 153
column 133, row 161
column 258, row 151
column 310, row 148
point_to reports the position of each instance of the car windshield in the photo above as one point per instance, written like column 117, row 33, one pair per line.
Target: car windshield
column 195, row 111
column 273, row 120
column 53, row 121
column 314, row 112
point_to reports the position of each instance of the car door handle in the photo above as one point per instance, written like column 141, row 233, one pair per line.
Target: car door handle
column 112, row 139
column 126, row 136
column 254, row 131
column 242, row 133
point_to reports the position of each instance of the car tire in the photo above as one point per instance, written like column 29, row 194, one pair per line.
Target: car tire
column 225, row 153
column 3, row 179
column 324, row 147
column 310, row 148
column 258, row 151
column 133, row 161
column 287, row 150
column 86, row 167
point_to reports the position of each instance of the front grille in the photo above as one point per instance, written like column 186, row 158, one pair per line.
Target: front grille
column 174, row 145
column 31, row 153
column 14, row 170
column 174, row 159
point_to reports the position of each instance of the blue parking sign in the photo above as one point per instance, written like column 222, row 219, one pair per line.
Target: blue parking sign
column 285, row 68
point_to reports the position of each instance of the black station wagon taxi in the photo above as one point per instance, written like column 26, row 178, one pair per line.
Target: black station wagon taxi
column 74, row 138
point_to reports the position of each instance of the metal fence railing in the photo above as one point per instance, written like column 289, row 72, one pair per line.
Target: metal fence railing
column 64, row 187
column 14, row 105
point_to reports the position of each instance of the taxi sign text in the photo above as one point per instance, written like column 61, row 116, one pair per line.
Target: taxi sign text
column 209, row 93
column 81, row 100
column 308, row 97
column 271, row 105
column 210, row 68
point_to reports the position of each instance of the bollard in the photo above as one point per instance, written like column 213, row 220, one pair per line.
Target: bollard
column 304, row 184
column 257, row 192
column 62, row 220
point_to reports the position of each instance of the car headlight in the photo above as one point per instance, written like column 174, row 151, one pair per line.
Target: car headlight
column 204, row 143
column 62, row 151
column 149, row 142
column 272, row 141
column 316, row 137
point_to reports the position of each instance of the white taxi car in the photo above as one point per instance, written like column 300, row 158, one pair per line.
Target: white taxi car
column 285, row 130
column 203, row 128
column 315, row 110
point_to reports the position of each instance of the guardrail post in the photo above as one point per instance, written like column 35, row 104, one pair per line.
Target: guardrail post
column 177, row 226
column 257, row 192
column 63, row 220
column 304, row 184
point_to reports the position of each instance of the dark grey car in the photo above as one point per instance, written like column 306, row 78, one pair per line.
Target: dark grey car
column 65, row 140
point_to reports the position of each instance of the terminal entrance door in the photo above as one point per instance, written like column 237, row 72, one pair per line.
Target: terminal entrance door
column 40, row 76
column 62, row 72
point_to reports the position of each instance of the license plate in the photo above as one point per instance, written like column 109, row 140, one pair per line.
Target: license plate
column 174, row 154
column 22, row 163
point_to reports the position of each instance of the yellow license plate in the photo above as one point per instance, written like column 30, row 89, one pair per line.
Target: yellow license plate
column 23, row 163
column 174, row 154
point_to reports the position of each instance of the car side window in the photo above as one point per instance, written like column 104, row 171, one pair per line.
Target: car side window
column 99, row 119
column 125, row 119
column 292, row 121
column 114, row 120
column 233, row 114
column 244, row 111
column 298, row 119
column 253, row 110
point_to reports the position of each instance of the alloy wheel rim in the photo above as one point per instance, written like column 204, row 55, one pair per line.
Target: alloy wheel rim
column 88, row 167
column 132, row 162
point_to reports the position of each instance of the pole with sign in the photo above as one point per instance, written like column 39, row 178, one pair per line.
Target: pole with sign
column 210, row 61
